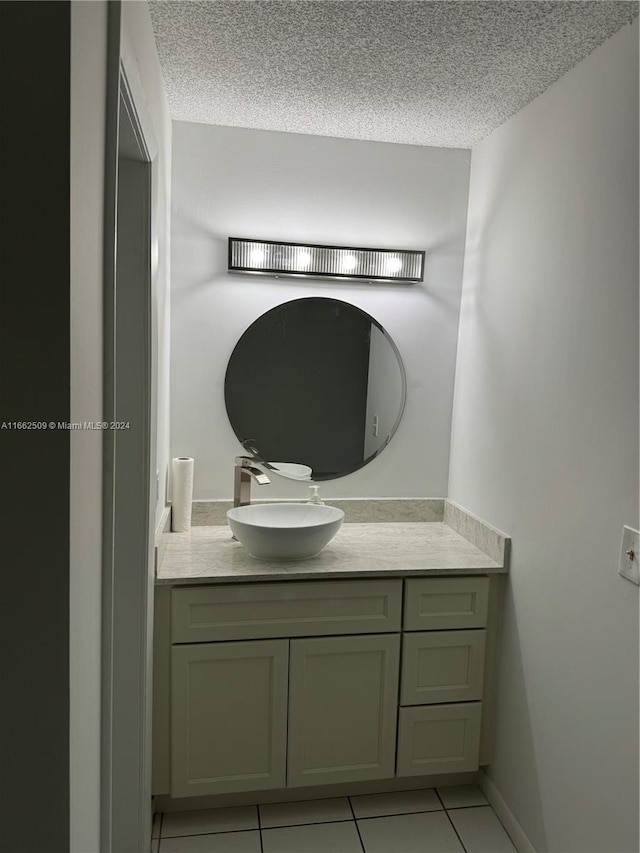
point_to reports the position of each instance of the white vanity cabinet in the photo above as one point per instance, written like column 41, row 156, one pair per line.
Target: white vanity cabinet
column 317, row 682
column 277, row 684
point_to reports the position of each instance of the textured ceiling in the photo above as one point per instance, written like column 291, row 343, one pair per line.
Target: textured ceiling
column 426, row 73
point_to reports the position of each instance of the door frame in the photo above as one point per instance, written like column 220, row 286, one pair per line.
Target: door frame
column 127, row 554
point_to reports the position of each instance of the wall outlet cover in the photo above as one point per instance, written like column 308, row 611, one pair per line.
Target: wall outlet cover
column 630, row 555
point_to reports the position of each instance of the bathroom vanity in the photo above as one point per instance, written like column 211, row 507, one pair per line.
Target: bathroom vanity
column 374, row 660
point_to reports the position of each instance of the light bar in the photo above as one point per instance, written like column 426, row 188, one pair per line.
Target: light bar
column 268, row 257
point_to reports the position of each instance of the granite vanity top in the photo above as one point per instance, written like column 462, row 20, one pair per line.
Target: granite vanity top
column 391, row 549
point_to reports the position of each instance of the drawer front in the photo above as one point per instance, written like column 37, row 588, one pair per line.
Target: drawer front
column 433, row 604
column 442, row 666
column 439, row 739
column 253, row 611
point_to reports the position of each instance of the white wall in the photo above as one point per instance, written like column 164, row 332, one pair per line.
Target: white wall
column 248, row 183
column 88, row 87
column 545, row 442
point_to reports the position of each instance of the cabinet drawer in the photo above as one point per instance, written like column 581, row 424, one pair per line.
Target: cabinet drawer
column 439, row 739
column 252, row 611
column 442, row 666
column 445, row 603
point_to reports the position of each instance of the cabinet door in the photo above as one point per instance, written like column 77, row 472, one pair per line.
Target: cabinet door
column 342, row 709
column 228, row 717
column 442, row 666
column 439, row 739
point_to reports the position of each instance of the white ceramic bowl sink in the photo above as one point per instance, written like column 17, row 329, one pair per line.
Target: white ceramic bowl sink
column 284, row 531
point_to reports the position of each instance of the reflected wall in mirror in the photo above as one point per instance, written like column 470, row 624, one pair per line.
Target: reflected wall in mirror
column 316, row 382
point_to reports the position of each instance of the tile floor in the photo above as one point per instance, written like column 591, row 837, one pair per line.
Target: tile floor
column 442, row 820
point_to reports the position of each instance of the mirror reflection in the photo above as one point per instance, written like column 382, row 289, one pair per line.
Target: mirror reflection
column 315, row 382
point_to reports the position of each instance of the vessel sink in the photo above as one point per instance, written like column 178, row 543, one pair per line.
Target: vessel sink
column 284, row 531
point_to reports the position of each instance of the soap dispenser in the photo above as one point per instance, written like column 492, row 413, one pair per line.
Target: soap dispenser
column 315, row 498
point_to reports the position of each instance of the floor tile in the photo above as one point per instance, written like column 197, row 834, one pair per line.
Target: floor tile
column 481, row 831
column 209, row 820
column 311, row 811
column 155, row 845
column 462, row 796
column 221, row 842
column 317, row 838
column 399, row 802
column 155, row 827
column 429, row 832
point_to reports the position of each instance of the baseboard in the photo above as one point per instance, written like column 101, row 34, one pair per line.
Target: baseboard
column 496, row 800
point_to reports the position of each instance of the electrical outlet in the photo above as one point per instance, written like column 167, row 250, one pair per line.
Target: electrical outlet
column 630, row 555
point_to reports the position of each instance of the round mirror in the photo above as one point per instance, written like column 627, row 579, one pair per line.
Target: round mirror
column 315, row 384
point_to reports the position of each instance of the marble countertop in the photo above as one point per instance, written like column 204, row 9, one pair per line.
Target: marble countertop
column 391, row 549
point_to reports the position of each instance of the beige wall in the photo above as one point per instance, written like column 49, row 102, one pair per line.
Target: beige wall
column 545, row 442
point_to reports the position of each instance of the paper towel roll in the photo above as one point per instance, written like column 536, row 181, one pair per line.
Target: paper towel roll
column 181, row 493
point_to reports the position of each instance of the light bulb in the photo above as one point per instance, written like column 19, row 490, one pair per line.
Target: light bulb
column 304, row 259
column 257, row 256
column 394, row 264
column 349, row 262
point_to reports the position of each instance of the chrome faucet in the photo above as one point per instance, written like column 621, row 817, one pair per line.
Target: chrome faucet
column 244, row 471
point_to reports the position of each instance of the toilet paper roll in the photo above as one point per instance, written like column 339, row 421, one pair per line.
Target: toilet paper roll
column 181, row 493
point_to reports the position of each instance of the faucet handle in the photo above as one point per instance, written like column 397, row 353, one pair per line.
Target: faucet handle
column 244, row 461
column 248, row 461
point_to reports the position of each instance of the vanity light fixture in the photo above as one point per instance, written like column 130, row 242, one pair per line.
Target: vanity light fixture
column 269, row 257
